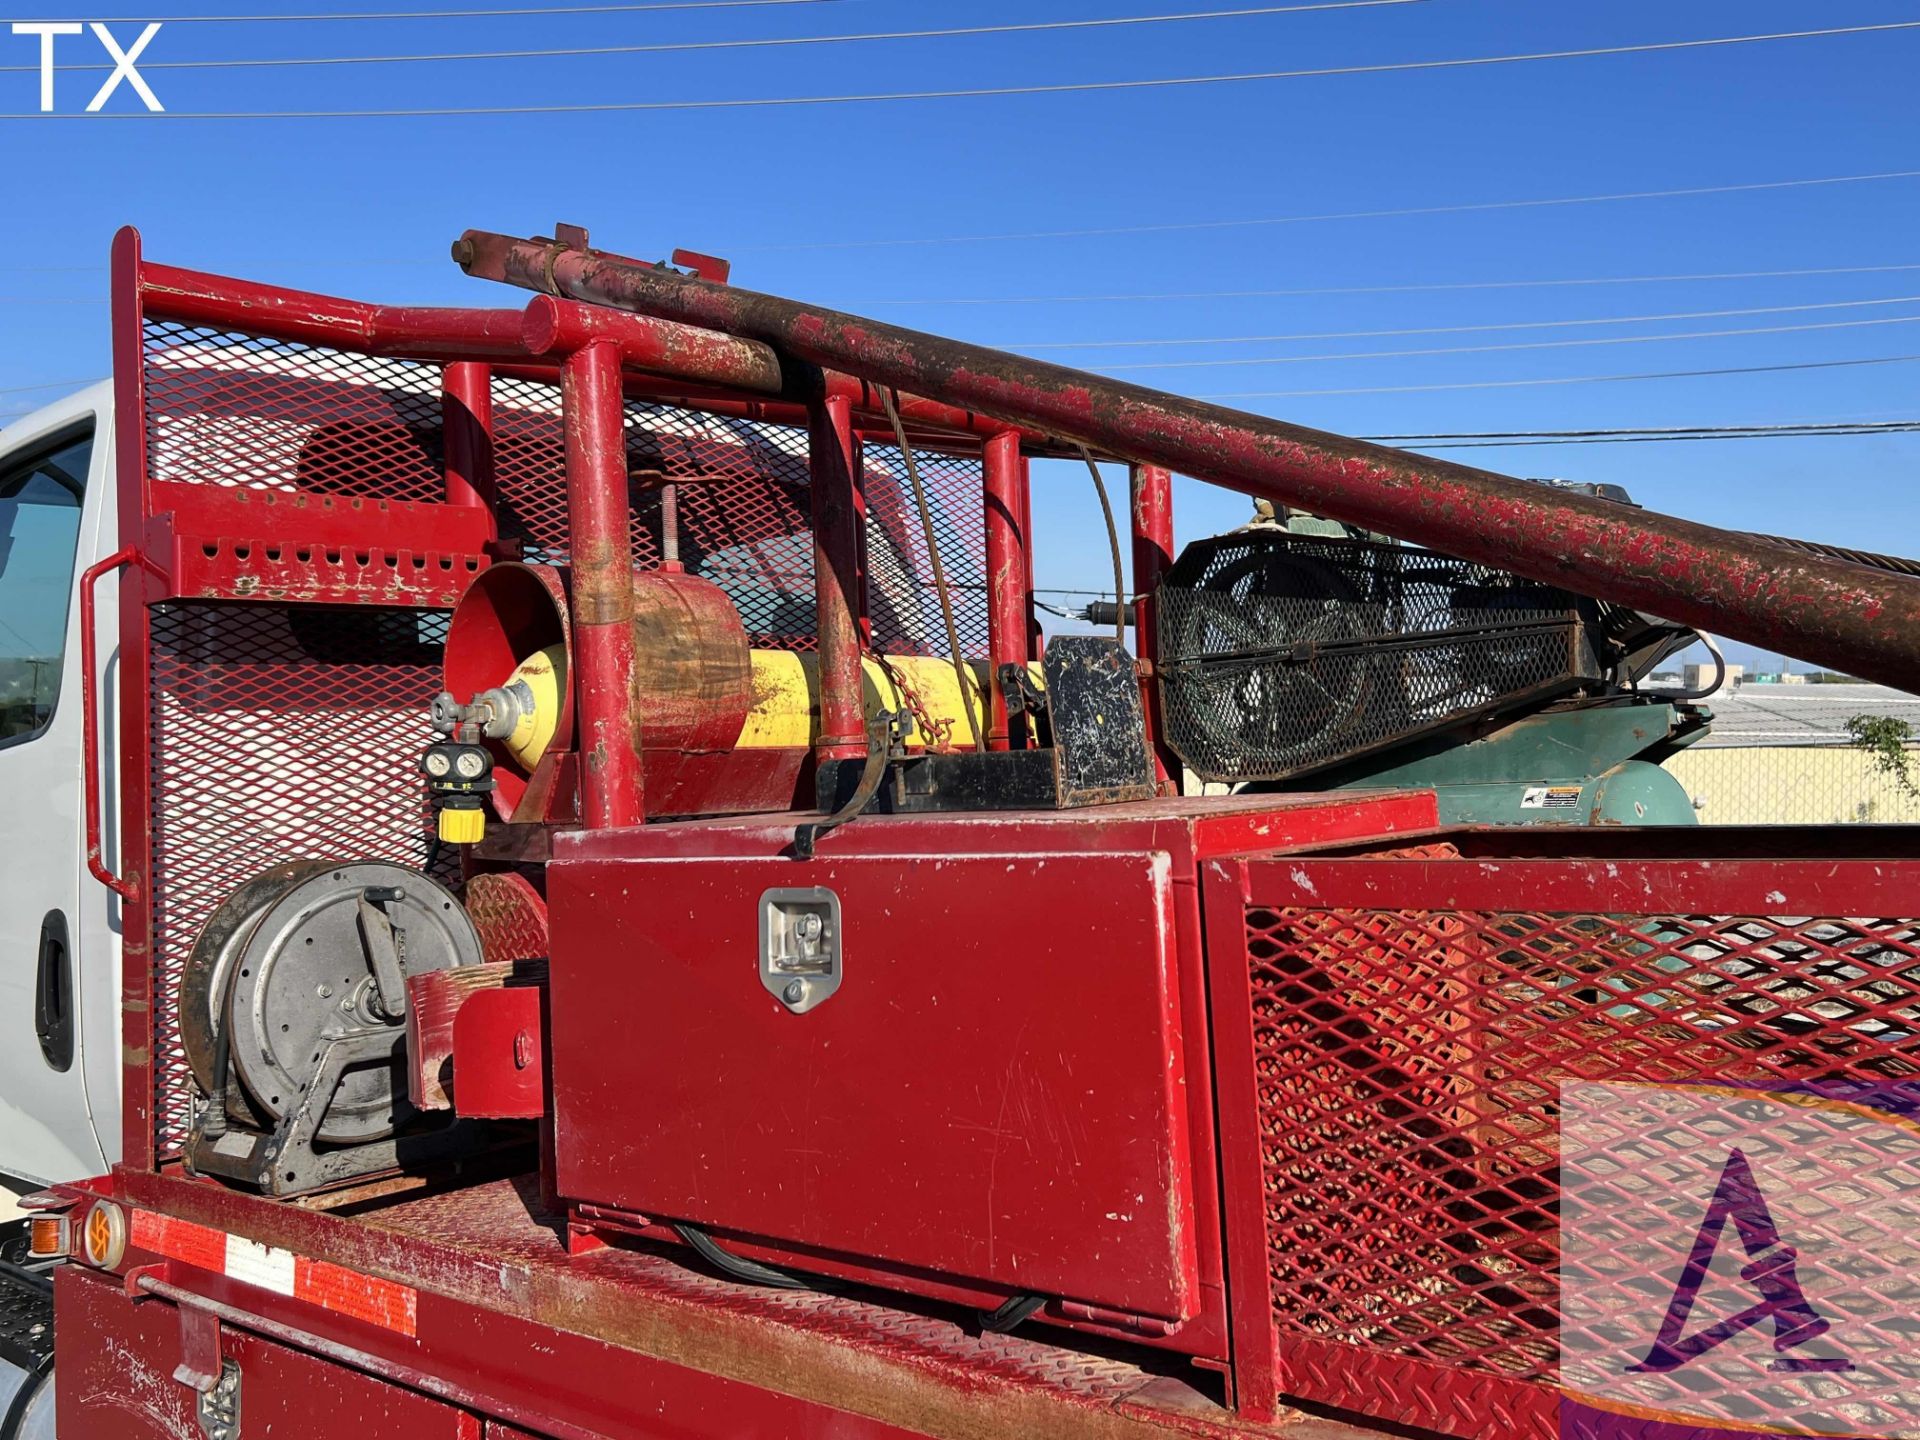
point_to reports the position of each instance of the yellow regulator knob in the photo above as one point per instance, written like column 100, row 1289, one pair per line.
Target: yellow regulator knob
column 462, row 826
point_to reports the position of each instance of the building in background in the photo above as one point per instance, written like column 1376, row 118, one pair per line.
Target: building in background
column 1782, row 755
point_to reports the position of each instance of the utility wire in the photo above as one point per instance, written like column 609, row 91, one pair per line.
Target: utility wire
column 1463, row 329
column 1512, row 346
column 885, row 96
column 1564, row 379
column 1380, row 289
column 1663, row 439
column 751, row 44
column 454, row 14
column 1403, row 212
column 1796, row 426
column 1654, row 437
column 53, row 385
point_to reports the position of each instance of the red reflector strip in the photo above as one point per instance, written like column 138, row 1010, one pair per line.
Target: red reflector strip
column 318, row 1282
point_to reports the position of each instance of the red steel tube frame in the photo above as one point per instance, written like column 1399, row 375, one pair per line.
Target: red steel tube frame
column 834, row 492
column 466, row 422
column 600, row 542
column 1834, row 613
column 561, row 326
column 1152, row 554
column 1008, row 598
column 127, row 887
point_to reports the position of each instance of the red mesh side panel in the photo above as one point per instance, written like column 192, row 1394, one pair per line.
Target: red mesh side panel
column 1410, row 1070
column 900, row 591
column 278, row 733
column 242, row 410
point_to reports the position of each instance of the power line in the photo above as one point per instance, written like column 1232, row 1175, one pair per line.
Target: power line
column 1464, row 329
column 1563, row 380
column 1514, row 346
column 1385, row 289
column 1856, row 423
column 876, row 97
column 1664, row 435
column 455, row 14
column 52, row 385
column 1017, row 28
column 1404, row 212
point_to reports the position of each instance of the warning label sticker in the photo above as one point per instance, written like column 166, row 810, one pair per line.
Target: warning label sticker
column 1551, row 797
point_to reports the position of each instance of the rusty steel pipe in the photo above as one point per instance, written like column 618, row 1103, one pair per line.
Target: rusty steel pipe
column 1152, row 509
column 839, row 542
column 660, row 347
column 1825, row 611
column 599, row 526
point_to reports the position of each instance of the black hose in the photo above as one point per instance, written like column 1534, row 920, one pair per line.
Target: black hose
column 1010, row 1314
column 751, row 1272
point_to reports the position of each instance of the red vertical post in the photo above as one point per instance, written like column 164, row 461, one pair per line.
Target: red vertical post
column 834, row 483
column 1036, row 642
column 466, row 421
column 130, row 817
column 1152, row 554
column 599, row 538
column 1008, row 598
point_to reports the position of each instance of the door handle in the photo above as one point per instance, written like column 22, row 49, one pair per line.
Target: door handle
column 53, row 993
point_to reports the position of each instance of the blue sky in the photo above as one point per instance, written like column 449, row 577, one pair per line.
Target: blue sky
column 798, row 198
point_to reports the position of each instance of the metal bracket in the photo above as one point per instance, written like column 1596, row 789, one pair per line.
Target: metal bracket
column 800, row 959
column 218, row 1408
column 383, row 951
column 286, row 1161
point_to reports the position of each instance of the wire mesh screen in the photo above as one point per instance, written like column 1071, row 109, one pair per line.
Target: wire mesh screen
column 1425, row 1257
column 745, row 520
column 1283, row 653
column 247, row 411
column 278, row 733
column 739, row 486
column 901, row 598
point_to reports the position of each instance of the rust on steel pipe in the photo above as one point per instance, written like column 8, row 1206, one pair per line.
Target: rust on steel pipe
column 558, row 327
column 834, row 492
column 1152, row 556
column 602, row 588
column 1829, row 612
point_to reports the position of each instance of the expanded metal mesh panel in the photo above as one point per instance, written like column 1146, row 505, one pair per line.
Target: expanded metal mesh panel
column 278, row 733
column 1412, row 1071
column 244, row 410
column 745, row 518
column 901, row 598
column 1282, row 653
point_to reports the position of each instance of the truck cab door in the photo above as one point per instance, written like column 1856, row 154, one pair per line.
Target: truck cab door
column 59, row 953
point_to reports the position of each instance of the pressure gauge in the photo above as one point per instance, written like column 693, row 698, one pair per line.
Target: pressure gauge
column 437, row 763
column 472, row 764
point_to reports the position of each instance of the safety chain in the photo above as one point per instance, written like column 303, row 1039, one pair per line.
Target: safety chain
column 936, row 735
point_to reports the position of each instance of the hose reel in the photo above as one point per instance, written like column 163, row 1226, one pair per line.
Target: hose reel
column 293, row 1017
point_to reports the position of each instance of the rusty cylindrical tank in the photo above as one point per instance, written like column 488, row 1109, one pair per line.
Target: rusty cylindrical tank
column 692, row 669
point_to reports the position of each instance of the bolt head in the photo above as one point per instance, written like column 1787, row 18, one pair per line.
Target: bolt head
column 795, row 992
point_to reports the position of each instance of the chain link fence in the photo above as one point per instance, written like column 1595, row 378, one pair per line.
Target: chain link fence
column 1783, row 754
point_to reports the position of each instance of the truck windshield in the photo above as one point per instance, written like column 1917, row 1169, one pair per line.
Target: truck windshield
column 39, row 527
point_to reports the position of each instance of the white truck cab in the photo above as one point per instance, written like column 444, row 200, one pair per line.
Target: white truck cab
column 59, row 929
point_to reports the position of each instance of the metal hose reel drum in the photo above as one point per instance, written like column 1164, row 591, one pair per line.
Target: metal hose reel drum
column 299, row 979
column 508, row 657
